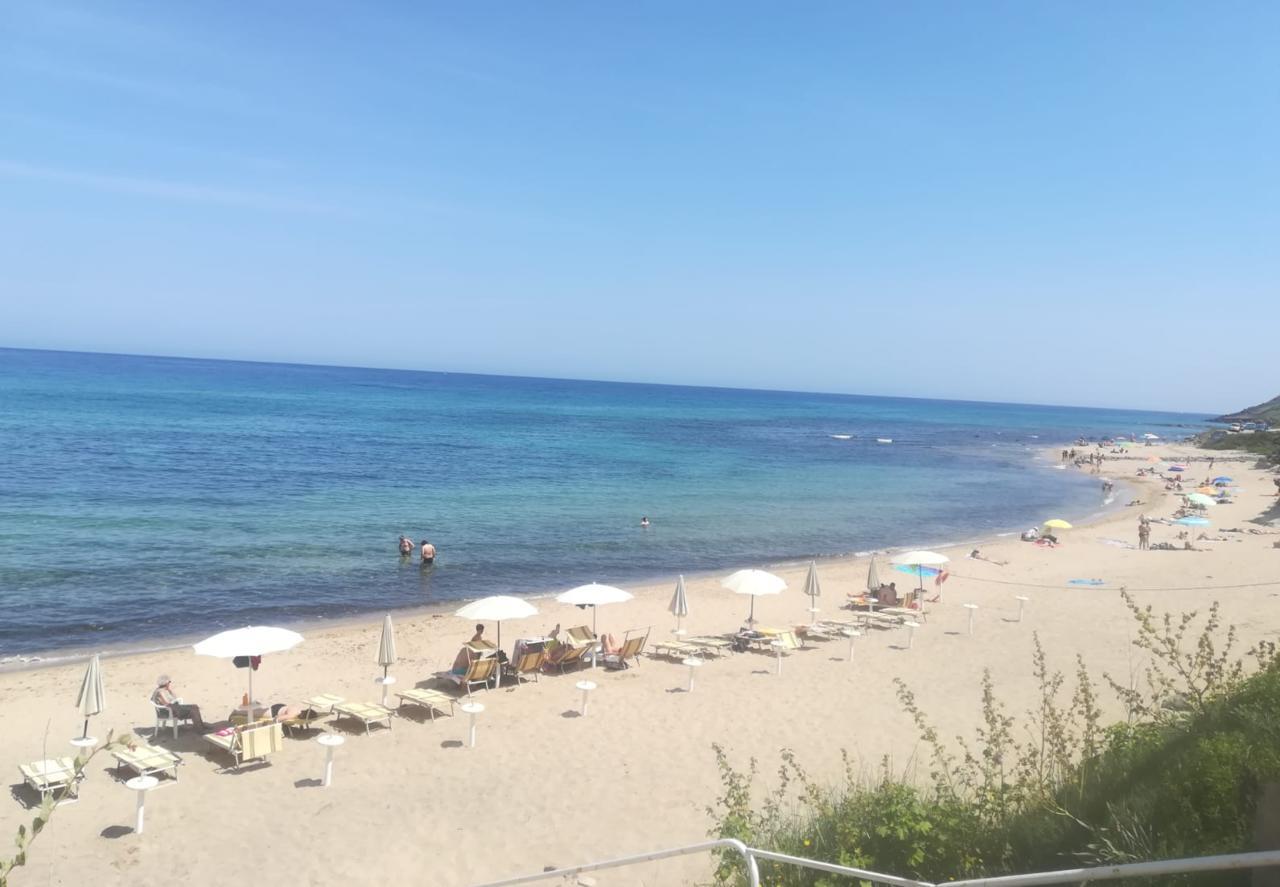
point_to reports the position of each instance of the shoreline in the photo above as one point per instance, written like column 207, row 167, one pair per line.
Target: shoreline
column 54, row 657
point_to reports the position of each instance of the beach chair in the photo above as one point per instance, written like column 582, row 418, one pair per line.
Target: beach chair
column 367, row 713
column 579, row 635
column 787, row 641
column 147, row 760
column 50, row 776
column 527, row 664
column 675, row 649
column 717, row 646
column 481, row 671
column 432, row 700
column 252, row 742
column 573, row 656
column 631, row 649
column 165, row 718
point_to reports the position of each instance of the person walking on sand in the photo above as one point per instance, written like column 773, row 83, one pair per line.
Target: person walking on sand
column 1144, row 535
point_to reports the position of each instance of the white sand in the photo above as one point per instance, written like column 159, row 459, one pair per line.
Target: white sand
column 544, row 787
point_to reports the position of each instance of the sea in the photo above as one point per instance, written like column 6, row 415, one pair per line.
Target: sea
column 149, row 498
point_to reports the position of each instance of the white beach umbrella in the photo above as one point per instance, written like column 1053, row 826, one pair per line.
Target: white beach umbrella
column 387, row 645
column 679, row 606
column 813, row 589
column 495, row 609
column 920, row 560
column 755, row 583
column 253, row 640
column 93, row 695
column 873, row 577
column 593, row 595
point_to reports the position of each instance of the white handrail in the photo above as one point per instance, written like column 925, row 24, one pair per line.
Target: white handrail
column 750, row 855
column 1259, row 859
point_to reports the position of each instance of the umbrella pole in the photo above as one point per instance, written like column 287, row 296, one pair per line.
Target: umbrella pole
column 85, row 735
column 751, row 619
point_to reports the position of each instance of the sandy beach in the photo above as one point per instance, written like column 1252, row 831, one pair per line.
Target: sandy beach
column 546, row 787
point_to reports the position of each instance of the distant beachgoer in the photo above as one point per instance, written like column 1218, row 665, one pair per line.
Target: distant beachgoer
column 428, row 552
column 406, row 546
column 644, row 521
column 479, row 635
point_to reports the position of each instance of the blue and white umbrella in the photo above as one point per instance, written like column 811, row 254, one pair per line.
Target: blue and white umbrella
column 1193, row 521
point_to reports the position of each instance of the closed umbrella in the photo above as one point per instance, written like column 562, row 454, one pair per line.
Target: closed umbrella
column 755, row 583
column 593, row 595
column 495, row 609
column 873, row 578
column 813, row 589
column 93, row 696
column 387, row 645
column 253, row 640
column 920, row 560
column 679, row 606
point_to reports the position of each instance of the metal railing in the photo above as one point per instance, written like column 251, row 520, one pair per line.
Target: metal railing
column 751, row 855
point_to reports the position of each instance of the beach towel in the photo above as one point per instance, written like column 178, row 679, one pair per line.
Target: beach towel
column 1086, row 582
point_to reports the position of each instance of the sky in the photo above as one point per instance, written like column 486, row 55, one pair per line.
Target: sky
column 1074, row 202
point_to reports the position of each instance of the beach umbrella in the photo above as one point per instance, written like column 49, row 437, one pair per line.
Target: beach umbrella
column 1057, row 523
column 755, row 583
column 1199, row 499
column 387, row 645
column 813, row 589
column 1222, row 480
column 253, row 640
column 873, row 577
column 495, row 609
column 679, row 606
column 93, row 696
column 1193, row 521
column 1176, row 469
column 1151, row 437
column 919, row 560
column 593, row 596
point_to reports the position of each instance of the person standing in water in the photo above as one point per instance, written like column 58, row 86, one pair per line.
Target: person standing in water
column 428, row 553
column 406, row 546
column 644, row 521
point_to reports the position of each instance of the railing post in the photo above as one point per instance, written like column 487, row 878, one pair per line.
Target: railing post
column 1266, row 832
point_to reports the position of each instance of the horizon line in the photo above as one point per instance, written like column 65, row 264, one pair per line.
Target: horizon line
column 338, row 366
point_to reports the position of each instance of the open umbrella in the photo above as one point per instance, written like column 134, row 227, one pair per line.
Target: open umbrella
column 387, row 645
column 813, row 589
column 1057, row 523
column 1176, row 469
column 754, row 583
column 1151, row 436
column 593, row 596
column 495, row 609
column 1199, row 499
column 1193, row 521
column 679, row 606
column 1222, row 480
column 93, row 696
column 920, row 560
column 253, row 640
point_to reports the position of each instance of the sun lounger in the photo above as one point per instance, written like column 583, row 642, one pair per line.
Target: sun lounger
column 526, row 665
column 579, row 636
column 719, row 645
column 432, row 700
column 676, row 649
column 54, row 775
column 249, row 743
column 572, row 656
column 148, row 760
column 631, row 649
column 481, row 671
column 367, row 713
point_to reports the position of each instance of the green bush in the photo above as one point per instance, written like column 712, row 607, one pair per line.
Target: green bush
column 1179, row 778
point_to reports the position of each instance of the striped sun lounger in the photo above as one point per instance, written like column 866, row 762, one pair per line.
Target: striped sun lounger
column 148, row 760
column 50, row 776
column 367, row 713
column 432, row 700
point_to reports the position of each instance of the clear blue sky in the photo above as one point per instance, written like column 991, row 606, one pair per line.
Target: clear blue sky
column 1049, row 202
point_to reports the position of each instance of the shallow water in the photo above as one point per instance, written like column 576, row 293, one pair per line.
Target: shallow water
column 150, row 497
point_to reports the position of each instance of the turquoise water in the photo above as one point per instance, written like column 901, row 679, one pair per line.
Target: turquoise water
column 149, row 497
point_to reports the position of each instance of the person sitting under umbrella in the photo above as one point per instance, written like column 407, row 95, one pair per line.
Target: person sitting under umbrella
column 164, row 697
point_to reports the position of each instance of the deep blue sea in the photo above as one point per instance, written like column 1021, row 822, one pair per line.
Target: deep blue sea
column 144, row 498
